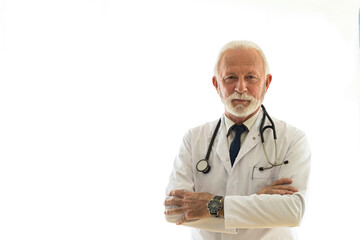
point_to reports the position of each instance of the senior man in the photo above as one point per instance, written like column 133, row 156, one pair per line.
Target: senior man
column 233, row 178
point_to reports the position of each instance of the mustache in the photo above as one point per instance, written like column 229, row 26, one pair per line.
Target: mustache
column 240, row 96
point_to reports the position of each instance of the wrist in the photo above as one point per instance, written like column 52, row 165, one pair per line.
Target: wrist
column 215, row 206
column 221, row 213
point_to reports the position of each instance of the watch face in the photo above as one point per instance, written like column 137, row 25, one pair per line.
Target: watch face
column 214, row 206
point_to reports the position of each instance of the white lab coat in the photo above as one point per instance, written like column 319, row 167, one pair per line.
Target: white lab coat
column 247, row 215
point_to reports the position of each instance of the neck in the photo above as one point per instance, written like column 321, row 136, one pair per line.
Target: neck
column 240, row 120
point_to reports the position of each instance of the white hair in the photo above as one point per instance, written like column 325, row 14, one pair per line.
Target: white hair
column 245, row 45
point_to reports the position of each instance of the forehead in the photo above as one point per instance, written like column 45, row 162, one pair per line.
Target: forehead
column 241, row 58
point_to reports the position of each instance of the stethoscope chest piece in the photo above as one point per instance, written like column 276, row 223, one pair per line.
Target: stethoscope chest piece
column 203, row 166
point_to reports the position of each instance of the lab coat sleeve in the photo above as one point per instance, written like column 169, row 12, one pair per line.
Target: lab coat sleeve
column 268, row 211
column 182, row 178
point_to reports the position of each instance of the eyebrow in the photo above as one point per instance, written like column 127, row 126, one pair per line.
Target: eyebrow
column 229, row 72
column 252, row 72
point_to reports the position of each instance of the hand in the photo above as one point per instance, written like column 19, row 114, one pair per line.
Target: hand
column 193, row 205
column 279, row 186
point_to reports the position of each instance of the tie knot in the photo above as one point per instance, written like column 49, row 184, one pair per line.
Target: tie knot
column 239, row 129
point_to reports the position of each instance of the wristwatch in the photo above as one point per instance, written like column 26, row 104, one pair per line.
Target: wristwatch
column 215, row 205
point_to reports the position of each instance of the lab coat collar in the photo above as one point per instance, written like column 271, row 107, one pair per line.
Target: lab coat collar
column 248, row 123
column 252, row 138
column 222, row 147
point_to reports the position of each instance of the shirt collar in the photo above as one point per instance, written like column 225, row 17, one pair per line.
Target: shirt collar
column 248, row 123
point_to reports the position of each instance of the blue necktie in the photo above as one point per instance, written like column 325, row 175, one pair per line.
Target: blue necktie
column 236, row 143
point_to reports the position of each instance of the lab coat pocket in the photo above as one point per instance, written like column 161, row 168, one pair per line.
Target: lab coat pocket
column 261, row 179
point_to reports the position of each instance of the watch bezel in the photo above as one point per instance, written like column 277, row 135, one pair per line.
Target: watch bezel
column 214, row 210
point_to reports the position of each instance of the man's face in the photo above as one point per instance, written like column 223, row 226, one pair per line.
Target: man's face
column 241, row 81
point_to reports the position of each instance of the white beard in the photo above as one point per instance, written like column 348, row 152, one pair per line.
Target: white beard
column 240, row 110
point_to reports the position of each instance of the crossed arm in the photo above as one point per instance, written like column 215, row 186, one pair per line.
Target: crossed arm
column 281, row 204
column 193, row 205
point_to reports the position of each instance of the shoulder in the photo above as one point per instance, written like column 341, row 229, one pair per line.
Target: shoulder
column 288, row 132
column 286, row 127
column 203, row 131
column 208, row 126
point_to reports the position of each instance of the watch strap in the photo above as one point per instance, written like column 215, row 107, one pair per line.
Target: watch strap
column 218, row 198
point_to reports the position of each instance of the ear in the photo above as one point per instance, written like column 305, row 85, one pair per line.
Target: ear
column 268, row 81
column 215, row 83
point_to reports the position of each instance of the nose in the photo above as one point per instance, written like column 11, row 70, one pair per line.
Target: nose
column 241, row 86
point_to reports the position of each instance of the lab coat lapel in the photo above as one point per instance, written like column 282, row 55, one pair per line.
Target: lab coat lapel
column 222, row 147
column 252, row 139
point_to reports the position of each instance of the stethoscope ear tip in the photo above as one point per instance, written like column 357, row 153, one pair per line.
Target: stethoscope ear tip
column 273, row 165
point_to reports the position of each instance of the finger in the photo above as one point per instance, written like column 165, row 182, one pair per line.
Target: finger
column 281, row 192
column 175, row 210
column 285, row 187
column 282, row 181
column 285, row 192
column 181, row 220
column 177, row 193
column 174, row 201
column 272, row 190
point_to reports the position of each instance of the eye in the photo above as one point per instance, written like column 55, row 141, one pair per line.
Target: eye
column 251, row 78
column 229, row 78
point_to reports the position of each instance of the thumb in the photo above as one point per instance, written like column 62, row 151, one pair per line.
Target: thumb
column 181, row 220
column 282, row 181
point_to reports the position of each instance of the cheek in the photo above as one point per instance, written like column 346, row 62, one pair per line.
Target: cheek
column 257, row 95
column 256, row 92
column 227, row 91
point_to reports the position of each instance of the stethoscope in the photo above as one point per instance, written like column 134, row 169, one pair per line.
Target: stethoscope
column 204, row 166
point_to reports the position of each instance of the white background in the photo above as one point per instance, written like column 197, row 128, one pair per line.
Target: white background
column 96, row 95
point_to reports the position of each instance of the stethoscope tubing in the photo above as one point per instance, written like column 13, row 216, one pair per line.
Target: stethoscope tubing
column 204, row 166
column 262, row 128
column 213, row 139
